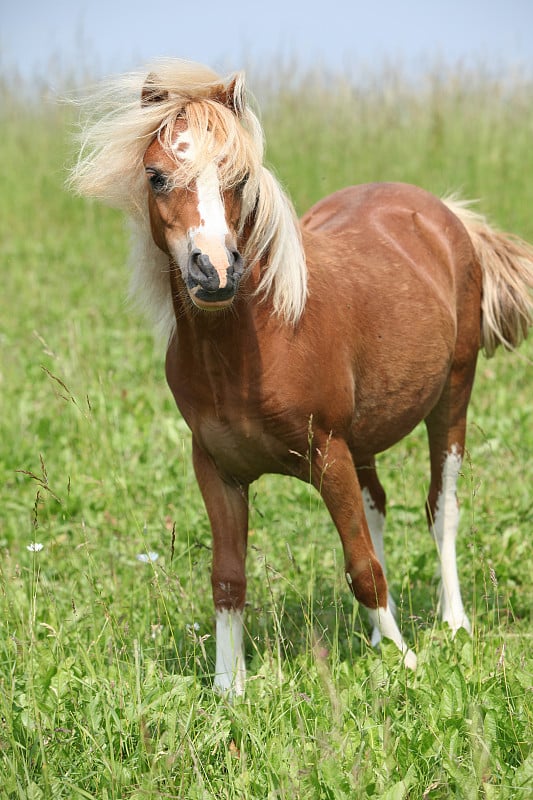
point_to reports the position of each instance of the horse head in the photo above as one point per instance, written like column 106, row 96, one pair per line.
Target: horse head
column 195, row 198
column 181, row 152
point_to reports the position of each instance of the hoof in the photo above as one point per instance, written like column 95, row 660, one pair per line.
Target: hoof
column 457, row 621
column 409, row 660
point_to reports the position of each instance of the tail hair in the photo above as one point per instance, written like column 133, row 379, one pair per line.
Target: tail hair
column 507, row 267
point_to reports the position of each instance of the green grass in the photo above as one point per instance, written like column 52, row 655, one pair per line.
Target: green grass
column 106, row 662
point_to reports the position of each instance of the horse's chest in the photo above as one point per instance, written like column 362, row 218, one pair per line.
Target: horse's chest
column 241, row 447
column 245, row 434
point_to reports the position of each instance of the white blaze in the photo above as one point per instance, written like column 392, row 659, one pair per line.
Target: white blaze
column 210, row 235
column 210, row 205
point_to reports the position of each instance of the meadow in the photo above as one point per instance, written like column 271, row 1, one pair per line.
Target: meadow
column 106, row 618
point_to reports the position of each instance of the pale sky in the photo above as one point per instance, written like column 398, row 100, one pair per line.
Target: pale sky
column 106, row 36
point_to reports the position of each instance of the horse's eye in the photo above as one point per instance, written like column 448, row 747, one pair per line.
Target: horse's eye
column 158, row 181
column 242, row 183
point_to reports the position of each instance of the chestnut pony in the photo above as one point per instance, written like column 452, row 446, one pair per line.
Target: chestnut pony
column 354, row 323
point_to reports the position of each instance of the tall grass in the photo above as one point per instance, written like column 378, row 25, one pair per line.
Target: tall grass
column 106, row 660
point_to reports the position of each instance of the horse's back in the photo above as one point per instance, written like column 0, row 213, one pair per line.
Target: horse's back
column 385, row 233
column 365, row 205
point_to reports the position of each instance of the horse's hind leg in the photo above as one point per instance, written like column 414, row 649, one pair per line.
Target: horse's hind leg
column 335, row 477
column 374, row 500
column 446, row 426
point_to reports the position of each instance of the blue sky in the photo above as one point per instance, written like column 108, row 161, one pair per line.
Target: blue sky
column 107, row 36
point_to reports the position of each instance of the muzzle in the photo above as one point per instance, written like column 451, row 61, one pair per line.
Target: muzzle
column 207, row 284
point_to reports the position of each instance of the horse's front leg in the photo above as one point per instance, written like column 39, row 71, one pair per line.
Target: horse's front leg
column 227, row 508
column 335, row 477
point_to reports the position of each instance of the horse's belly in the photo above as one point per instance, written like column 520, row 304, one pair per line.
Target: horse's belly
column 383, row 415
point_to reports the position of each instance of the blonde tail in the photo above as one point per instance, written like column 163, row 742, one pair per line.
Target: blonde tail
column 507, row 267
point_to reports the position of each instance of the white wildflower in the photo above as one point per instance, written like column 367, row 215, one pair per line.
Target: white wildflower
column 194, row 627
column 148, row 558
column 34, row 547
column 156, row 630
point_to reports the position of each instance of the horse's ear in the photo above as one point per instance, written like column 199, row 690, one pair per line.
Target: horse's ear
column 232, row 95
column 152, row 91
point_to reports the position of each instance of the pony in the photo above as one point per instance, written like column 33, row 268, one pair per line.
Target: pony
column 345, row 328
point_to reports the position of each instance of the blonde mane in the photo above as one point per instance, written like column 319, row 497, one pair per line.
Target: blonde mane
column 118, row 130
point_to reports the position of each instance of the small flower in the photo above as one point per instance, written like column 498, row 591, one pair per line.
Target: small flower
column 148, row 558
column 194, row 627
column 34, row 547
column 156, row 629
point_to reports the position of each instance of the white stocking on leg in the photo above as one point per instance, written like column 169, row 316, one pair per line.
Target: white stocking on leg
column 376, row 526
column 230, row 669
column 383, row 620
column 445, row 525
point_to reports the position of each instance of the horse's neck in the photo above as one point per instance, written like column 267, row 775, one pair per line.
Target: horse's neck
column 230, row 332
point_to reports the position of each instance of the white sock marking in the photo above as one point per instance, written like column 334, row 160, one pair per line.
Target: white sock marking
column 383, row 619
column 376, row 526
column 445, row 526
column 230, row 669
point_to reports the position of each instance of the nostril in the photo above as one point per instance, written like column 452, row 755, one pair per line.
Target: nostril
column 202, row 272
column 201, row 260
column 236, row 263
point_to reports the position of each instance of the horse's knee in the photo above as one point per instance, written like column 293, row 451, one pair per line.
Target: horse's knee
column 367, row 582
